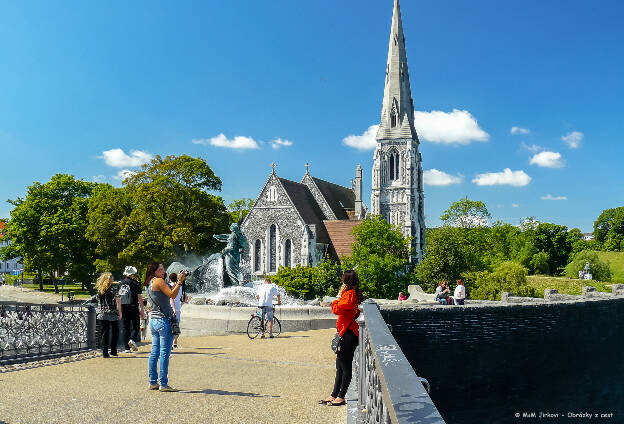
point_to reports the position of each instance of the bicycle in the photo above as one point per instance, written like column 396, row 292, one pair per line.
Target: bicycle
column 256, row 325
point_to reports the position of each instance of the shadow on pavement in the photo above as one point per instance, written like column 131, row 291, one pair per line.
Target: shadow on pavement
column 226, row 393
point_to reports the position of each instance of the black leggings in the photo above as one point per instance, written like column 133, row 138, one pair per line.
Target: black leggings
column 131, row 324
column 344, row 364
column 106, row 326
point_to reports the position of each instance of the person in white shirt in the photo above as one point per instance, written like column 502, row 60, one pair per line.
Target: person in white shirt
column 460, row 293
column 265, row 295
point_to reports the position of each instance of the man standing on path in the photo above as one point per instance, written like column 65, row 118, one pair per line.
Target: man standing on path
column 265, row 295
column 130, row 310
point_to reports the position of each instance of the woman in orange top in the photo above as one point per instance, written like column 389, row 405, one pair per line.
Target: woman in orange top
column 346, row 307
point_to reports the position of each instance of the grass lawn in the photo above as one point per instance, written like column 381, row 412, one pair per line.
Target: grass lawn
column 616, row 262
column 563, row 284
column 76, row 289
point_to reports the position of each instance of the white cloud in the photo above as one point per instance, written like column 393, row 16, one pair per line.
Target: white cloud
column 238, row 142
column 278, row 142
column 548, row 160
column 456, row 127
column 515, row 205
column 366, row 141
column 573, row 139
column 532, row 148
column 123, row 174
column 551, row 197
column 99, row 178
column 433, row 177
column 520, row 130
column 117, row 158
column 507, row 177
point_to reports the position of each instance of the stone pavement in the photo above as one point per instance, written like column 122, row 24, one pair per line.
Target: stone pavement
column 223, row 379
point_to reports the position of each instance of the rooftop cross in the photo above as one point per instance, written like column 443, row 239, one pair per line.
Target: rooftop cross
column 273, row 167
column 307, row 165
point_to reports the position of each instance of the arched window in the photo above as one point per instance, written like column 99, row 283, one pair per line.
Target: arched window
column 394, row 166
column 272, row 249
column 393, row 120
column 257, row 255
column 287, row 253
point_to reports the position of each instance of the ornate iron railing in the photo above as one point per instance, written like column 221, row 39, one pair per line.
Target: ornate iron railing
column 387, row 388
column 33, row 332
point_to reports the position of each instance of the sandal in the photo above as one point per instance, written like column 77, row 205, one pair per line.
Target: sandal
column 344, row 402
column 325, row 401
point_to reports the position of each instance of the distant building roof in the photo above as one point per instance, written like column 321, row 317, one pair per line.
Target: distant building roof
column 338, row 197
column 340, row 233
column 307, row 207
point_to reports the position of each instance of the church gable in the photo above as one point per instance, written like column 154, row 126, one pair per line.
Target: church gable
column 318, row 196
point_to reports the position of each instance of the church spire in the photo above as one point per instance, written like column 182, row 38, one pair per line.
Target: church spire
column 397, row 109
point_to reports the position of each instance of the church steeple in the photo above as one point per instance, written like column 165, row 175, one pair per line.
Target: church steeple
column 397, row 110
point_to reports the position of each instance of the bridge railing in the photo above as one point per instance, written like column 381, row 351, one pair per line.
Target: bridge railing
column 387, row 388
column 35, row 332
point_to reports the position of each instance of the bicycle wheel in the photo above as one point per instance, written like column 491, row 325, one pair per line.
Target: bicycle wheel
column 277, row 326
column 254, row 327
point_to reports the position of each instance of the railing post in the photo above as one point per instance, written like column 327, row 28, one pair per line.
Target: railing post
column 91, row 328
column 361, row 377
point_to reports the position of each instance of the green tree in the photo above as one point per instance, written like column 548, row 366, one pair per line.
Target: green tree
column 380, row 254
column 553, row 239
column 47, row 229
column 446, row 259
column 601, row 271
column 239, row 208
column 609, row 228
column 466, row 213
column 507, row 277
column 541, row 263
column 163, row 212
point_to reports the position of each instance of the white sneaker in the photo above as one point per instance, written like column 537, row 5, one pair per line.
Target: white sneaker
column 132, row 345
column 127, row 351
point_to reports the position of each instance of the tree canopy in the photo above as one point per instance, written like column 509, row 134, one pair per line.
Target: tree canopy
column 609, row 228
column 162, row 212
column 47, row 228
column 466, row 213
column 380, row 253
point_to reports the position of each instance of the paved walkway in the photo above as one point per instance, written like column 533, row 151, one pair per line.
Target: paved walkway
column 223, row 379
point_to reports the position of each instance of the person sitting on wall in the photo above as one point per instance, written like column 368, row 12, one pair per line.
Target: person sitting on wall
column 442, row 293
column 402, row 297
column 460, row 293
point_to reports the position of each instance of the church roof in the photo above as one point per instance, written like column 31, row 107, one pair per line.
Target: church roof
column 338, row 197
column 341, row 238
column 306, row 205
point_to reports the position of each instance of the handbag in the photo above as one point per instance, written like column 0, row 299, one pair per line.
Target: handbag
column 335, row 343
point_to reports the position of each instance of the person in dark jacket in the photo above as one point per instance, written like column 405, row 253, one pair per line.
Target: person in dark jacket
column 132, row 312
column 109, row 312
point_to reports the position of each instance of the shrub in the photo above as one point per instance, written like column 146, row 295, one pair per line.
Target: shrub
column 310, row 282
column 508, row 276
column 541, row 263
column 600, row 271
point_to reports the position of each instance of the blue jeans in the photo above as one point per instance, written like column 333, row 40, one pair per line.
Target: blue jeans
column 161, row 349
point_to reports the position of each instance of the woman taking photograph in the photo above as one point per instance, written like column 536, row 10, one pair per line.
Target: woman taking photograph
column 346, row 307
column 158, row 295
column 109, row 312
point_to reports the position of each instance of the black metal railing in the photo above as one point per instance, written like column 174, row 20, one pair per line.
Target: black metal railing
column 34, row 332
column 387, row 388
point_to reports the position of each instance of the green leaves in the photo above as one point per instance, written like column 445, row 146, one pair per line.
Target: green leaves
column 609, row 228
column 466, row 213
column 380, row 253
column 162, row 212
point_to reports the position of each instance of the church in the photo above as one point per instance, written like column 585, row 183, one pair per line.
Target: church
column 299, row 223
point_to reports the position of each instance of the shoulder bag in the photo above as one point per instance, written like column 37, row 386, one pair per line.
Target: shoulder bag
column 336, row 341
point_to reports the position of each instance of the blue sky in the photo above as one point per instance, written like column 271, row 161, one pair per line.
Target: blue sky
column 292, row 80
